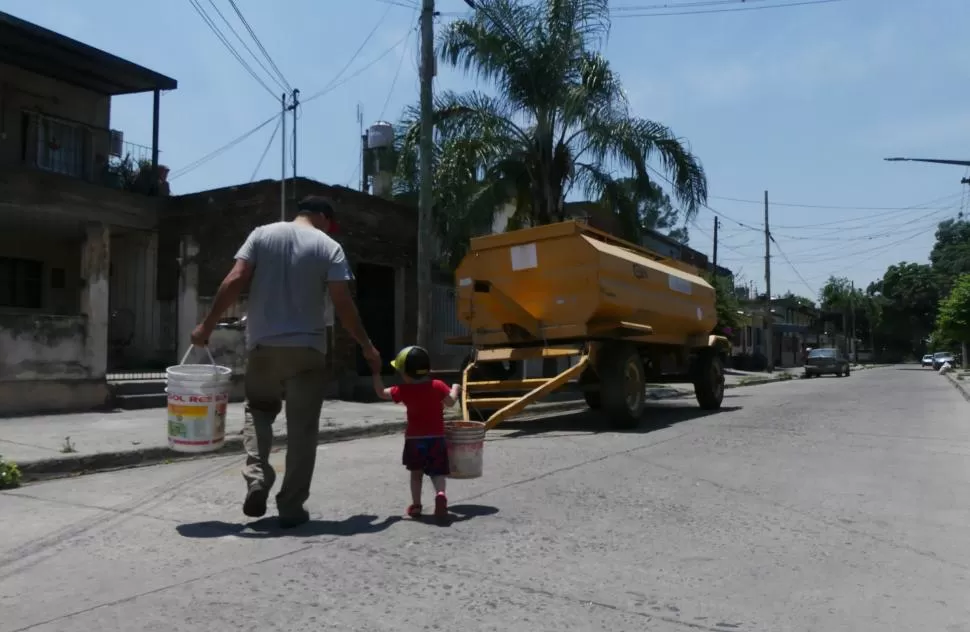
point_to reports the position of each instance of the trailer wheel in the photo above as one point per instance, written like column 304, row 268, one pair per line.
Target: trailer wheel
column 709, row 380
column 623, row 387
column 589, row 383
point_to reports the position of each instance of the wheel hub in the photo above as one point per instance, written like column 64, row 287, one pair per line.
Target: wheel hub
column 633, row 386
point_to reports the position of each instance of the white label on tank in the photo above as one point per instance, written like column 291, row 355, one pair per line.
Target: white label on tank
column 678, row 284
column 524, row 257
column 464, row 282
column 700, row 314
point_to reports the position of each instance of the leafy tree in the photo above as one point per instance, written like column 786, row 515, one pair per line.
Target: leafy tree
column 641, row 211
column 558, row 121
column 726, row 304
column 910, row 295
column 950, row 256
column 953, row 321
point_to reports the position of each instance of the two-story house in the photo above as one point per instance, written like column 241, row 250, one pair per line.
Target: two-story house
column 79, row 291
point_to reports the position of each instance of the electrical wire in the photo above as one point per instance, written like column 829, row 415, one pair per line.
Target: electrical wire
column 397, row 73
column 252, row 34
column 225, row 42
column 266, row 151
column 357, row 52
column 216, row 153
column 359, row 71
column 658, row 13
column 282, row 86
column 834, row 208
column 792, row 266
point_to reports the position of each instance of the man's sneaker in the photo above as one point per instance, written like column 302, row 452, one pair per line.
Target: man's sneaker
column 255, row 503
column 441, row 507
column 291, row 521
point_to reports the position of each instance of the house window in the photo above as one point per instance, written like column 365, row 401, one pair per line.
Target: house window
column 21, row 283
column 60, row 147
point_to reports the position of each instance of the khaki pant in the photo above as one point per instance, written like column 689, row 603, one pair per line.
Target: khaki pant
column 301, row 372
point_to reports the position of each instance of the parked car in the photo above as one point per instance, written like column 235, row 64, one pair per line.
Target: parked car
column 823, row 361
column 927, row 360
column 941, row 357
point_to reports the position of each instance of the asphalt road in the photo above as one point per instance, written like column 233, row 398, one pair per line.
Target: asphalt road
column 826, row 504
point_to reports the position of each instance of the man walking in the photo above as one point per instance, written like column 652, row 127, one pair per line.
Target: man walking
column 288, row 268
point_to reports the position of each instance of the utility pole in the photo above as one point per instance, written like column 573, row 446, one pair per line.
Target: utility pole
column 852, row 306
column 363, row 149
column 426, row 192
column 716, row 223
column 283, row 158
column 768, row 328
column 293, row 106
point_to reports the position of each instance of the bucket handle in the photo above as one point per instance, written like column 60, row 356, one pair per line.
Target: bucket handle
column 188, row 352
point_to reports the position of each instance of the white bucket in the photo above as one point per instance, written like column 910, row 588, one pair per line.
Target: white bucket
column 466, row 442
column 198, row 395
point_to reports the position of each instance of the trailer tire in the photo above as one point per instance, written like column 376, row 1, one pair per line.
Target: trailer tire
column 623, row 387
column 589, row 384
column 593, row 399
column 709, row 380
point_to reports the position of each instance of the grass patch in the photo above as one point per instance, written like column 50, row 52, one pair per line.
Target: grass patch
column 9, row 474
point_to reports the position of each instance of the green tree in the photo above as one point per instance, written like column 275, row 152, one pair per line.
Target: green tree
column 726, row 304
column 558, row 121
column 950, row 256
column 953, row 321
column 645, row 210
column 910, row 297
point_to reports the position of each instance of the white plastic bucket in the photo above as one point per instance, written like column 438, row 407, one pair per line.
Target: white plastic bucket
column 198, row 395
column 466, row 443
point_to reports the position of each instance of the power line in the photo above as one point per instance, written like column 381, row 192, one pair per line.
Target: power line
column 662, row 13
column 214, row 154
column 225, row 42
column 282, row 86
column 266, row 151
column 252, row 34
column 397, row 73
column 792, row 266
column 835, row 208
column 359, row 71
column 357, row 52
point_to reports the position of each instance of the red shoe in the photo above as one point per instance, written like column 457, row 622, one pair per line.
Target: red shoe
column 441, row 506
column 414, row 510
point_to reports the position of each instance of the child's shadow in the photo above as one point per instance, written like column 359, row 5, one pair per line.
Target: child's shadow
column 458, row 513
column 355, row 525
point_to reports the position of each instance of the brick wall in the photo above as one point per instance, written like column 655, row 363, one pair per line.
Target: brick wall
column 372, row 230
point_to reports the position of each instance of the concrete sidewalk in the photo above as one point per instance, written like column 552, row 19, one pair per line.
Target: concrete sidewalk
column 52, row 445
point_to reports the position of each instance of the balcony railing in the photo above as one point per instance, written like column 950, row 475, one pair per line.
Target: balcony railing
column 96, row 155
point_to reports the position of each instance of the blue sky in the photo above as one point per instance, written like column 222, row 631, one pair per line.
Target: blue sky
column 804, row 102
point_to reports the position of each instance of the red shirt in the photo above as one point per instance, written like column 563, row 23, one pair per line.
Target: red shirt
column 425, row 404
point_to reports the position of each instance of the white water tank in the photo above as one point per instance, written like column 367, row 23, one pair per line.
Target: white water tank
column 380, row 135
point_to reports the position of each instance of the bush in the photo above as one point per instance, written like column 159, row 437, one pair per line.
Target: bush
column 9, row 474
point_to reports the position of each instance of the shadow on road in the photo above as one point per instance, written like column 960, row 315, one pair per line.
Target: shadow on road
column 654, row 418
column 354, row 525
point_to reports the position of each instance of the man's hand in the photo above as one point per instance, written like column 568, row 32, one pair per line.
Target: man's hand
column 200, row 335
column 373, row 357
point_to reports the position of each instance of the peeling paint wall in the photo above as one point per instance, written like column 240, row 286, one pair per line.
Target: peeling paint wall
column 43, row 347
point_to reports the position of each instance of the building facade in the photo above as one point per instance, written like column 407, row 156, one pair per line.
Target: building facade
column 78, row 210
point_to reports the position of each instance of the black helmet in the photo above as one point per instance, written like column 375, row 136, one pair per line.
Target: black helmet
column 413, row 361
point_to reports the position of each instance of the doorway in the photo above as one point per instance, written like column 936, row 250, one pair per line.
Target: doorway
column 376, row 300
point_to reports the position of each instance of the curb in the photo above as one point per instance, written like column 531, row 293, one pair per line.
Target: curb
column 60, row 467
column 956, row 384
column 106, row 461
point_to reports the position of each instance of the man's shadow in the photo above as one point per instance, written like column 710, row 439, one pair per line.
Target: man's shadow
column 355, row 525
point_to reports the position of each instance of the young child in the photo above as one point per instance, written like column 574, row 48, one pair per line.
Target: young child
column 425, row 450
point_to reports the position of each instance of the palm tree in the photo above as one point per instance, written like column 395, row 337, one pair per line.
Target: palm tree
column 559, row 120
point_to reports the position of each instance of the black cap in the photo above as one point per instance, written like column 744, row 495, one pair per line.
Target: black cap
column 318, row 204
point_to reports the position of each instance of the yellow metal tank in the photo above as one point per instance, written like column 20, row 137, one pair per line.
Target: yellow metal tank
column 569, row 281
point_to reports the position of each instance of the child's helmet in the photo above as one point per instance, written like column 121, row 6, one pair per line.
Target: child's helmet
column 413, row 361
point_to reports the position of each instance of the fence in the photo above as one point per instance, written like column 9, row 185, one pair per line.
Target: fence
column 445, row 324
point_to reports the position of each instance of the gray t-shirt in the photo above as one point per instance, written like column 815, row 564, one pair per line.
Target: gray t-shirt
column 287, row 297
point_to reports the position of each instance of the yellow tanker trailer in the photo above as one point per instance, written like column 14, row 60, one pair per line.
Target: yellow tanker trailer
column 624, row 315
